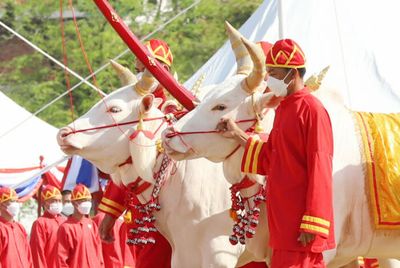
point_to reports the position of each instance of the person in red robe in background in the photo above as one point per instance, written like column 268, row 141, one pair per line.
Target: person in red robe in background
column 68, row 208
column 113, row 201
column 78, row 240
column 151, row 255
column 112, row 253
column 161, row 51
column 297, row 160
column 43, row 239
column 14, row 246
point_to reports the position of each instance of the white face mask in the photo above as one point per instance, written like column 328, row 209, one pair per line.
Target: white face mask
column 139, row 76
column 153, row 86
column 55, row 208
column 68, row 209
column 13, row 209
column 277, row 86
column 84, row 207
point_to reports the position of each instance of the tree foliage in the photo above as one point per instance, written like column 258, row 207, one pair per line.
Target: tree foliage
column 32, row 80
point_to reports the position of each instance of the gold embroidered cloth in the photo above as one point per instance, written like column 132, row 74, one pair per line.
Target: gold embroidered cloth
column 380, row 135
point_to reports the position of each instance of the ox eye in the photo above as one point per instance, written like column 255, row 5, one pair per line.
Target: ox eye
column 115, row 109
column 219, row 107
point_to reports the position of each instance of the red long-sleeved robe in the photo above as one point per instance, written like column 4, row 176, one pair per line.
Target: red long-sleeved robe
column 43, row 240
column 14, row 246
column 149, row 256
column 79, row 244
column 112, row 254
column 297, row 159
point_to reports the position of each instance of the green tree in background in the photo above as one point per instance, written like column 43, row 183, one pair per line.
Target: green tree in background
column 32, row 81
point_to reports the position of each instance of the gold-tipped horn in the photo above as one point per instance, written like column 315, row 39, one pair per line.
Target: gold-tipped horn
column 314, row 82
column 125, row 75
column 145, row 84
column 243, row 60
column 255, row 78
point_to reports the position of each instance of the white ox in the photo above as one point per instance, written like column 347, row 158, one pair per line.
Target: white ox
column 195, row 198
column 355, row 236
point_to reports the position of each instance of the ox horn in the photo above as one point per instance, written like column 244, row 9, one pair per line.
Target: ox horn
column 256, row 77
column 243, row 60
column 145, row 84
column 124, row 74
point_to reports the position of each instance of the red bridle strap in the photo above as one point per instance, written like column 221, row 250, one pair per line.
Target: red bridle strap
column 115, row 125
column 178, row 133
column 243, row 184
column 137, row 188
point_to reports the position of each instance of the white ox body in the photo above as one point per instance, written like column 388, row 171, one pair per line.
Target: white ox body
column 195, row 198
column 354, row 234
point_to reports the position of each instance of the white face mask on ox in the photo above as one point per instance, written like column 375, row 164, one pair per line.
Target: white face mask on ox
column 277, row 86
column 84, row 207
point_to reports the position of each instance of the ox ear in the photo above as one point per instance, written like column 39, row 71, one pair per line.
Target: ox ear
column 269, row 100
column 148, row 102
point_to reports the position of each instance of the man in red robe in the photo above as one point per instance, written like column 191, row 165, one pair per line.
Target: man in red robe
column 14, row 247
column 79, row 244
column 297, row 160
column 148, row 256
column 112, row 254
column 161, row 51
column 44, row 230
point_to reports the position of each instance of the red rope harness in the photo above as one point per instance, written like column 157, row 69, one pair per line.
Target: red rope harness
column 245, row 218
column 179, row 133
column 117, row 124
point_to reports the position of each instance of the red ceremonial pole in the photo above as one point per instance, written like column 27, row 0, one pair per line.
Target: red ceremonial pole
column 184, row 96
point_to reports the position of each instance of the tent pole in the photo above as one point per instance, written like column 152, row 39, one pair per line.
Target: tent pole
column 280, row 18
column 39, row 198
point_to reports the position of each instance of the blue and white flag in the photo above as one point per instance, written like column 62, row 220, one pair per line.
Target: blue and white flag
column 79, row 170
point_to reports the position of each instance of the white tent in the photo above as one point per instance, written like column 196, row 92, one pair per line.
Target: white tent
column 356, row 38
column 20, row 148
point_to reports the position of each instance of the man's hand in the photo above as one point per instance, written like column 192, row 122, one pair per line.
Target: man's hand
column 228, row 128
column 106, row 229
column 305, row 238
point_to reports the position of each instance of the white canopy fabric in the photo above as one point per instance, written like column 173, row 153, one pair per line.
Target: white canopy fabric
column 22, row 147
column 356, row 38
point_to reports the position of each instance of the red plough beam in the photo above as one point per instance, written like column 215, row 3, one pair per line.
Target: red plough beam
column 184, row 96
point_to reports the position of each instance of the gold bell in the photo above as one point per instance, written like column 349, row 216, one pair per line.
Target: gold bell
column 258, row 128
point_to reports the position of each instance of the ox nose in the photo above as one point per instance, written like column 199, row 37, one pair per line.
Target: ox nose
column 169, row 132
column 62, row 134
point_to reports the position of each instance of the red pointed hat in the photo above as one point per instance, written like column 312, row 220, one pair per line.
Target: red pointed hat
column 286, row 53
column 160, row 50
column 80, row 192
column 266, row 47
column 7, row 193
column 50, row 192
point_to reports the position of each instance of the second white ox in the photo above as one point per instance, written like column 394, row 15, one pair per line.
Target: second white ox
column 194, row 199
column 353, row 231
